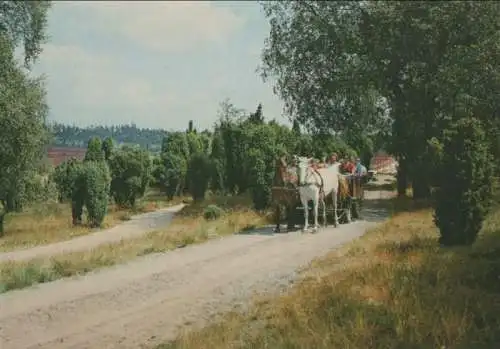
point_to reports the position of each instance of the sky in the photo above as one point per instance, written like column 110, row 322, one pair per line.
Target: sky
column 155, row 64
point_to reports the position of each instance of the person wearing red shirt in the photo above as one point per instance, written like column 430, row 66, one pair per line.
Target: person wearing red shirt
column 349, row 167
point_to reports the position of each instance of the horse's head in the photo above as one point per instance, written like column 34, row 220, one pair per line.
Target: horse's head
column 282, row 162
column 279, row 172
column 302, row 167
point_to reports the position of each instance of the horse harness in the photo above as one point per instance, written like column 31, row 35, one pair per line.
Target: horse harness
column 320, row 185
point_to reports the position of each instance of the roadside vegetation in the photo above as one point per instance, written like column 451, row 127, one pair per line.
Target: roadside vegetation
column 45, row 223
column 216, row 217
column 427, row 278
column 392, row 288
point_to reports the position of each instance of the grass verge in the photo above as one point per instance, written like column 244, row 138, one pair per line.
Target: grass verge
column 393, row 288
column 51, row 222
column 188, row 227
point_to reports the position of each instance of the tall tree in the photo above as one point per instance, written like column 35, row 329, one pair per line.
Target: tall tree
column 336, row 63
column 296, row 127
column 23, row 108
column 312, row 53
column 432, row 61
column 24, row 23
column 108, row 147
column 95, row 150
column 257, row 117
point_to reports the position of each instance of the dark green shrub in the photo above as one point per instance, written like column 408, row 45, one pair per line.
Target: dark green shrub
column 218, row 158
column 157, row 171
column 195, row 143
column 39, row 188
column 259, row 178
column 130, row 174
column 198, row 175
column 108, row 147
column 96, row 179
column 206, row 141
column 94, row 150
column 217, row 176
column 176, row 143
column 262, row 151
column 212, row 212
column 235, row 144
column 90, row 188
column 64, row 178
column 174, row 174
column 175, row 153
column 465, row 183
column 78, row 191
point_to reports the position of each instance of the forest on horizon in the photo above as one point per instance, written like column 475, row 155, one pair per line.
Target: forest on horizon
column 77, row 137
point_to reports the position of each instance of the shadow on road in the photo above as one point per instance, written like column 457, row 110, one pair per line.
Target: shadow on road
column 267, row 230
column 377, row 207
column 374, row 214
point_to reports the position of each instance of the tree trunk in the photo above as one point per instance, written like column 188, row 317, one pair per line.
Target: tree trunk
column 421, row 183
column 421, row 188
column 12, row 204
column 402, row 178
column 2, row 220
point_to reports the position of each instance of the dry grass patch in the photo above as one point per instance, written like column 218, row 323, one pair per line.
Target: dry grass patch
column 51, row 222
column 393, row 288
column 187, row 228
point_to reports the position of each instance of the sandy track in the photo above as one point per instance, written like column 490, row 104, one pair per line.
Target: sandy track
column 145, row 301
column 136, row 226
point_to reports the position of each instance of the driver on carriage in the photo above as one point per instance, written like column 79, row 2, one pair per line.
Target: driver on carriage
column 333, row 160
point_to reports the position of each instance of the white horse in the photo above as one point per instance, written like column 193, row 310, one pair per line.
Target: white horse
column 316, row 185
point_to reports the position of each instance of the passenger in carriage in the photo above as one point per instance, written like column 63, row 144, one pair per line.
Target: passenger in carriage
column 348, row 167
column 360, row 169
column 332, row 160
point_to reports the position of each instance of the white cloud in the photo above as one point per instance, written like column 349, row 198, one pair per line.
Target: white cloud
column 166, row 26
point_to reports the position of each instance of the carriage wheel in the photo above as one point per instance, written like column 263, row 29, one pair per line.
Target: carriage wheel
column 348, row 214
column 355, row 209
column 291, row 217
column 344, row 211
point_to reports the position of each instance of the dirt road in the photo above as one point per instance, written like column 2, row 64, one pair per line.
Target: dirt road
column 145, row 301
column 137, row 225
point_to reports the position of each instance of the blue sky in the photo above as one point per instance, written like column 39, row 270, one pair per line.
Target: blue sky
column 157, row 64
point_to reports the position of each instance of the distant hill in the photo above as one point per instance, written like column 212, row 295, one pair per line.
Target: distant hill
column 77, row 137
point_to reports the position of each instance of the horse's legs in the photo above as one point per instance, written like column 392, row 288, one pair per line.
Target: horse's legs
column 304, row 202
column 323, row 201
column 335, row 217
column 290, row 216
column 277, row 217
column 315, row 210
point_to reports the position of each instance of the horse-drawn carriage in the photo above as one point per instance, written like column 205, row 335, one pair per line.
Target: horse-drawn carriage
column 285, row 192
